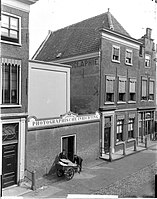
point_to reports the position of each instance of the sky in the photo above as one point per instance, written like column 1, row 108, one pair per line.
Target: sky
column 134, row 15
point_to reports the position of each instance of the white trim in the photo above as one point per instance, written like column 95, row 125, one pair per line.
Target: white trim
column 130, row 42
column 17, row 5
column 76, row 58
column 10, row 42
column 70, row 135
column 13, row 115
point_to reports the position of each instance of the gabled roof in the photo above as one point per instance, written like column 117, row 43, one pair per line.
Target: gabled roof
column 77, row 39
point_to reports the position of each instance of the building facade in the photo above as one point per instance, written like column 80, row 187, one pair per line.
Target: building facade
column 111, row 72
column 13, row 89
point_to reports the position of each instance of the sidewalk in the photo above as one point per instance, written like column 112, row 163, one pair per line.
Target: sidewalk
column 96, row 170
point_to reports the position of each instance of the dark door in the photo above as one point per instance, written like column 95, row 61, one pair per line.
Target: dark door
column 107, row 132
column 68, row 145
column 9, row 165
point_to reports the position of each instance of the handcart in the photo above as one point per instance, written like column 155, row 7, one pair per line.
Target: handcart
column 66, row 167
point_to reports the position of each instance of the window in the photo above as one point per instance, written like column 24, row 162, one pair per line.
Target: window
column 122, row 89
column 147, row 60
column 10, row 81
column 120, row 124
column 10, row 29
column 144, row 89
column 131, row 128
column 128, row 57
column 116, row 53
column 132, row 90
column 151, row 90
column 110, row 89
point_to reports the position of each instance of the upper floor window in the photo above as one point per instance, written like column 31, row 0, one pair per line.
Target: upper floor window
column 122, row 89
column 132, row 89
column 144, row 89
column 151, row 90
column 128, row 57
column 10, row 28
column 116, row 53
column 110, row 88
column 147, row 60
column 10, row 81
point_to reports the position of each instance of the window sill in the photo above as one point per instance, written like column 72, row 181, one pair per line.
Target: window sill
column 115, row 61
column 132, row 102
column 11, row 43
column 131, row 140
column 120, row 143
column 129, row 64
column 109, row 103
column 10, row 106
column 121, row 102
column 150, row 100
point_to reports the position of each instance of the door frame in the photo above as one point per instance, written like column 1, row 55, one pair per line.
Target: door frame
column 112, row 136
column 20, row 148
column 66, row 136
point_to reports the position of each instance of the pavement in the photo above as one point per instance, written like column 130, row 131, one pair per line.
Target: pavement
column 132, row 175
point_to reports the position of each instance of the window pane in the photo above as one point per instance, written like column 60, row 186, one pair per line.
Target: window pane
column 14, row 85
column 144, row 86
column 14, row 23
column 4, row 32
column 5, row 84
column 151, row 87
column 5, row 21
column 121, row 86
column 13, row 34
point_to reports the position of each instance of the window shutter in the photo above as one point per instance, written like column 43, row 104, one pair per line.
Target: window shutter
column 151, row 87
column 109, row 84
column 121, row 86
column 132, row 86
column 144, row 87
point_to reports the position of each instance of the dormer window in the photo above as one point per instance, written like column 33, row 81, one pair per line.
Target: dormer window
column 116, row 53
column 10, row 28
column 147, row 60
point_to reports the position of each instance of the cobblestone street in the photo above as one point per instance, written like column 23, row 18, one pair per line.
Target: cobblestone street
column 129, row 186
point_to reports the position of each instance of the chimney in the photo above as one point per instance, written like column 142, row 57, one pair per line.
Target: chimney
column 110, row 20
column 148, row 33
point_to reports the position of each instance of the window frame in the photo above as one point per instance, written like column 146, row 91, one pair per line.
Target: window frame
column 112, row 78
column 120, row 123
column 151, row 80
column 124, row 79
column 129, row 99
column 128, row 51
column 19, row 30
column 7, row 61
column 146, row 97
column 115, row 47
column 147, row 61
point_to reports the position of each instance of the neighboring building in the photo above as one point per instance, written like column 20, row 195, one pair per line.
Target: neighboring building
column 111, row 72
column 48, row 89
column 13, row 88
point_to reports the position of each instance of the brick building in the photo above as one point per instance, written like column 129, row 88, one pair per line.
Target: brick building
column 13, row 88
column 112, row 73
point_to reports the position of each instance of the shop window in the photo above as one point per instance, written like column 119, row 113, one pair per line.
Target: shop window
column 131, row 128
column 116, row 53
column 120, row 124
column 122, row 89
column 151, row 90
column 144, row 90
column 128, row 57
column 110, row 89
column 10, row 81
column 147, row 60
column 132, row 90
column 10, row 28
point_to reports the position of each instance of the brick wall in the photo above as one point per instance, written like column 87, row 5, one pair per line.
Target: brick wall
column 43, row 145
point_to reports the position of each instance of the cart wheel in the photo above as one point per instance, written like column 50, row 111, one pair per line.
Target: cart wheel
column 69, row 173
column 60, row 172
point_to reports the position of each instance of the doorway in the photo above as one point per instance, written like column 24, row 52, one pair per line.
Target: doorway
column 68, row 143
column 107, row 133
